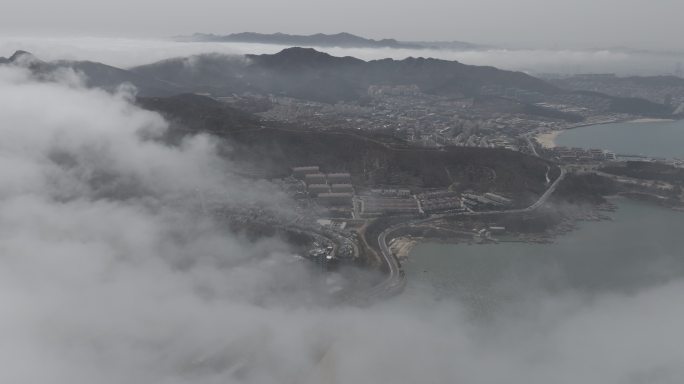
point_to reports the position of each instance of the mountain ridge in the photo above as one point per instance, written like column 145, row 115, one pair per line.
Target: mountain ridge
column 342, row 40
column 310, row 74
column 96, row 75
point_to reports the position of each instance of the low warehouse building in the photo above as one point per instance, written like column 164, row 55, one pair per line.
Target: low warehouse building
column 339, row 178
column 314, row 178
column 300, row 172
column 342, row 188
column 335, row 199
column 315, row 189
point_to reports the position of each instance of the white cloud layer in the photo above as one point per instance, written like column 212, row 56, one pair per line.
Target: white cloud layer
column 124, row 52
column 110, row 274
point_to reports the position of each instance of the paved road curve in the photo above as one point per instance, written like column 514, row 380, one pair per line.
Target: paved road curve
column 395, row 280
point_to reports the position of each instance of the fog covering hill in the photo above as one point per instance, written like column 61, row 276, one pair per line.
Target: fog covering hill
column 96, row 75
column 305, row 73
column 342, row 40
column 632, row 105
column 297, row 72
column 309, row 74
column 634, row 81
column 108, row 77
column 658, row 89
column 20, row 57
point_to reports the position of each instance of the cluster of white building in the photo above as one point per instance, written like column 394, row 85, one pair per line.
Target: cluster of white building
column 332, row 189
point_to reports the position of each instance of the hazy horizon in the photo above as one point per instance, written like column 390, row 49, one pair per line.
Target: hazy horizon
column 129, row 52
column 525, row 23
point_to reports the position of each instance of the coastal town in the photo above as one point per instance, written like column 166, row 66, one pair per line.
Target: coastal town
column 404, row 116
column 444, row 151
column 405, row 113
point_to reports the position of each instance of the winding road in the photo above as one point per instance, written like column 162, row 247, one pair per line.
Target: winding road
column 396, row 280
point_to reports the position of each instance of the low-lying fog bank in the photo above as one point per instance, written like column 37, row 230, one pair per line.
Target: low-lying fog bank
column 111, row 273
column 126, row 52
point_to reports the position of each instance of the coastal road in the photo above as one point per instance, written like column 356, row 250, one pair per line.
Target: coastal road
column 396, row 280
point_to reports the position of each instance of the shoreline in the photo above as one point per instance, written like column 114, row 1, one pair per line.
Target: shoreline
column 650, row 120
column 401, row 247
column 404, row 245
column 548, row 139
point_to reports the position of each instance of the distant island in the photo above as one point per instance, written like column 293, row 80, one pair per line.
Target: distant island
column 343, row 40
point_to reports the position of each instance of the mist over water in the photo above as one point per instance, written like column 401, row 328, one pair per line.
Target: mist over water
column 110, row 272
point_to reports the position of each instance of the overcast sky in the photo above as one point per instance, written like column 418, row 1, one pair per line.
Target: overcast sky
column 548, row 23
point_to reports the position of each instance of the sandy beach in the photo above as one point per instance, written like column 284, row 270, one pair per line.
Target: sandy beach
column 651, row 120
column 548, row 139
column 401, row 246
